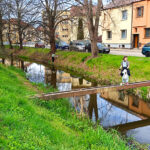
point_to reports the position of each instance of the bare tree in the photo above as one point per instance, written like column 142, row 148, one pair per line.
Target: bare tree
column 25, row 15
column 54, row 12
column 2, row 13
column 8, row 21
column 92, row 13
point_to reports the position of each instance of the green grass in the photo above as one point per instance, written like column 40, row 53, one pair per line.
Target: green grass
column 27, row 123
column 105, row 68
column 139, row 66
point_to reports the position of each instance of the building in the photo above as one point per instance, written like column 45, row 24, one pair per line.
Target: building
column 117, row 24
column 76, row 13
column 63, row 29
column 28, row 33
column 141, row 23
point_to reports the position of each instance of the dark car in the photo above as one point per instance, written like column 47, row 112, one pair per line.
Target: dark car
column 63, row 46
column 146, row 50
column 101, row 47
column 39, row 45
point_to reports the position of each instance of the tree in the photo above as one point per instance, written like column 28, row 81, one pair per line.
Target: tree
column 24, row 14
column 54, row 12
column 92, row 13
column 8, row 21
column 80, row 35
column 2, row 13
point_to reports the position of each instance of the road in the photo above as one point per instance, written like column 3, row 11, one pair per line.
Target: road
column 127, row 52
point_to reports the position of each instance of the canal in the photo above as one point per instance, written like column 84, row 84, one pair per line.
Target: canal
column 127, row 113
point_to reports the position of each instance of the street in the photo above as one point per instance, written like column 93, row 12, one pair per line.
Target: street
column 127, row 52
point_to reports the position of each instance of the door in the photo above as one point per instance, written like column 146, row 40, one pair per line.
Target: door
column 136, row 41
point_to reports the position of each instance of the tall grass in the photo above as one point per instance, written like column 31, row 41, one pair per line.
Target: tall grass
column 27, row 123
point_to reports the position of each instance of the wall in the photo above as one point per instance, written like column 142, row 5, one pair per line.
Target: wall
column 141, row 22
column 112, row 21
column 74, row 29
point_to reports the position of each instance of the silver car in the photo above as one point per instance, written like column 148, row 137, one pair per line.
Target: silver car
column 78, row 45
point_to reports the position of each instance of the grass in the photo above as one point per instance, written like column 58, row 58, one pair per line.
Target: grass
column 109, row 65
column 103, row 69
column 27, row 123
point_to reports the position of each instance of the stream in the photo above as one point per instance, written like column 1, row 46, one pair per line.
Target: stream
column 127, row 113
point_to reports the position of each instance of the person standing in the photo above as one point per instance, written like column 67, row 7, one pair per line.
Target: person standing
column 53, row 57
column 125, row 65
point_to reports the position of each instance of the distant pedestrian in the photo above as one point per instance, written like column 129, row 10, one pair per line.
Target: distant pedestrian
column 53, row 57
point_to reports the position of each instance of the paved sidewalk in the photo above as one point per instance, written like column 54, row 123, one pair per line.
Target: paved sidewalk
column 127, row 52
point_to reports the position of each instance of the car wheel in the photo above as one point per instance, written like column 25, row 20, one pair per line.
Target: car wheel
column 86, row 50
column 148, row 54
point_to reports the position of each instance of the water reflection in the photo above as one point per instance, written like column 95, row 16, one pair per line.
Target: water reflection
column 110, row 108
column 36, row 73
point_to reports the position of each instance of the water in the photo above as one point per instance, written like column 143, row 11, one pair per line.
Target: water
column 113, row 109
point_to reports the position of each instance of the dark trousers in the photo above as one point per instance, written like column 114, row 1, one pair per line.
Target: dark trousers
column 128, row 71
column 53, row 59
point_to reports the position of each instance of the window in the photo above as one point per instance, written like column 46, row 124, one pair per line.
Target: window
column 65, row 22
column 109, row 34
column 65, row 36
column 124, row 15
column 123, row 34
column 64, row 29
column 147, row 32
column 140, row 11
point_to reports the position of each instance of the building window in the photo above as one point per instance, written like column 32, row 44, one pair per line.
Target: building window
column 140, row 11
column 147, row 32
column 65, row 22
column 109, row 34
column 64, row 29
column 124, row 15
column 123, row 34
column 65, row 36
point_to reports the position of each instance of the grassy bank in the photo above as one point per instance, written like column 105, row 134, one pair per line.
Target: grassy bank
column 27, row 123
column 103, row 69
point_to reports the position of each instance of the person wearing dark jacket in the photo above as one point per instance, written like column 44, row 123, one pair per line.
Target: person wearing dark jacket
column 125, row 65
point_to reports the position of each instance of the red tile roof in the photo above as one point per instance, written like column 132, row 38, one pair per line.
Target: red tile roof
column 80, row 11
column 119, row 3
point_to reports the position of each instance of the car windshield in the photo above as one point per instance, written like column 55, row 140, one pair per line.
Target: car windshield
column 147, row 45
column 63, row 44
column 101, row 45
column 80, row 44
column 40, row 43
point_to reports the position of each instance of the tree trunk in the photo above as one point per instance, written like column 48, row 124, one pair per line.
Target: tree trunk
column 3, row 60
column 22, row 65
column 20, row 41
column 52, row 43
column 10, row 43
column 9, row 36
column 1, row 37
column 94, row 48
column 1, row 40
column 1, row 32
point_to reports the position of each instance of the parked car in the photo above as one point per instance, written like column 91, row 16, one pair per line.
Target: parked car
column 146, row 50
column 39, row 45
column 63, row 45
column 78, row 45
column 101, row 47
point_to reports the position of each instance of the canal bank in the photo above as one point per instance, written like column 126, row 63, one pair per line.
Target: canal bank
column 27, row 123
column 105, row 110
column 103, row 69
